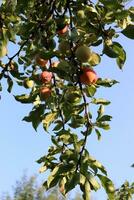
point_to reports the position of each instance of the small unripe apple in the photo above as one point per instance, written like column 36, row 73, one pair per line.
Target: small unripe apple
column 55, row 64
column 28, row 83
column 88, row 76
column 45, row 92
column 81, row 14
column 46, row 76
column 40, row 61
column 64, row 47
column 83, row 53
column 63, row 30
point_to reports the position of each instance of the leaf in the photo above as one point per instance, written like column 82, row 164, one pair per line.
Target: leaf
column 104, row 118
column 103, row 125
column 3, row 49
column 100, row 101
column 90, row 90
column 129, row 31
column 108, row 186
column 77, row 121
column 53, row 177
column 100, row 111
column 98, row 134
column 25, row 98
column 93, row 182
column 87, row 193
column 121, row 54
column 72, row 182
column 48, row 118
column 108, row 50
column 35, row 116
column 106, row 82
column 10, row 84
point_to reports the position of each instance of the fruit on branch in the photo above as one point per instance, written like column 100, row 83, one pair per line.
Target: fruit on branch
column 46, row 76
column 45, row 92
column 83, row 53
column 88, row 76
column 40, row 61
column 28, row 83
column 64, row 48
column 80, row 14
column 63, row 30
column 55, row 64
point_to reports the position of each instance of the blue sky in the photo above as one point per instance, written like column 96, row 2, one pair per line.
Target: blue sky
column 21, row 146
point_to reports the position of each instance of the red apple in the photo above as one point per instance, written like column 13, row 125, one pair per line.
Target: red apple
column 88, row 76
column 46, row 76
column 45, row 92
column 63, row 30
column 40, row 61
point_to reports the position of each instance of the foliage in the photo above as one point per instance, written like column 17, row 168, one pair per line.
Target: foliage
column 28, row 189
column 65, row 37
column 126, row 191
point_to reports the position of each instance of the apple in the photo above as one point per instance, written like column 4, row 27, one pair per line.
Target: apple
column 55, row 64
column 45, row 92
column 88, row 76
column 83, row 53
column 46, row 76
column 63, row 30
column 40, row 61
column 28, row 83
column 64, row 48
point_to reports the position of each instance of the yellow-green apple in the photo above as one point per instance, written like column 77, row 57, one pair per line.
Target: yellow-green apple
column 83, row 53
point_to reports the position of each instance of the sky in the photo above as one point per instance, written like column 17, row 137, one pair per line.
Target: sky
column 21, row 146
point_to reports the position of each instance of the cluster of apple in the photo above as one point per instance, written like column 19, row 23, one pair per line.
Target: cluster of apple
column 45, row 77
column 87, row 75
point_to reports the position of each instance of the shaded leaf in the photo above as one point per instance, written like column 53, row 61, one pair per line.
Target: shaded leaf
column 129, row 31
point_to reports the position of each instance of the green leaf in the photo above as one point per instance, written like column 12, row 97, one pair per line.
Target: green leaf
column 35, row 116
column 77, row 121
column 129, row 31
column 10, row 84
column 103, row 125
column 87, row 193
column 100, row 111
column 98, row 134
column 53, row 177
column 108, row 50
column 48, row 118
column 90, row 90
column 100, row 101
column 25, row 98
column 106, row 82
column 72, row 182
column 108, row 186
column 94, row 183
column 121, row 54
column 3, row 49
column 104, row 118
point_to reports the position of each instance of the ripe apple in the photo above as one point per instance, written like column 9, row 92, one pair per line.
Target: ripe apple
column 83, row 53
column 45, row 92
column 28, row 83
column 88, row 76
column 46, row 76
column 40, row 61
column 63, row 30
